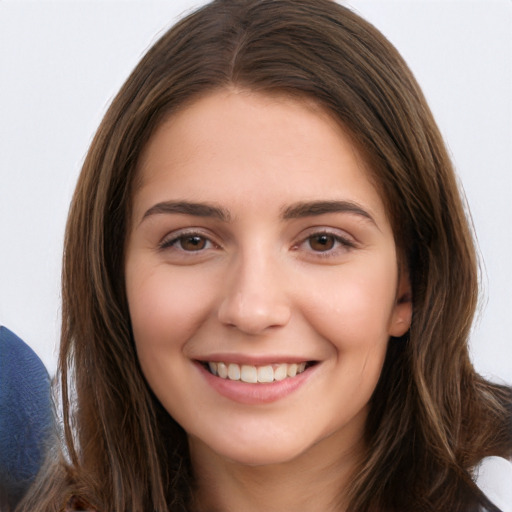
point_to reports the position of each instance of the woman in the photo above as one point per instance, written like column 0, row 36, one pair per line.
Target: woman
column 269, row 282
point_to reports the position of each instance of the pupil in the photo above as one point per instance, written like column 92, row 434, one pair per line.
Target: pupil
column 322, row 242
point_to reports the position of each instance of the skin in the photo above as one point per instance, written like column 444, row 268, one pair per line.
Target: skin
column 268, row 281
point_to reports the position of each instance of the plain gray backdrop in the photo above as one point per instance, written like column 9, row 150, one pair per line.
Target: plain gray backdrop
column 62, row 62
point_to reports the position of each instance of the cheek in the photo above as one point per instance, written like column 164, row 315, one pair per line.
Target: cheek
column 165, row 308
column 353, row 309
column 166, row 311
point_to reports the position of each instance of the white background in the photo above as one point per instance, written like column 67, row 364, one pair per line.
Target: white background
column 62, row 62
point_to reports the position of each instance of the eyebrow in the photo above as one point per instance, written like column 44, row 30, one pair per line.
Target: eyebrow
column 316, row 208
column 294, row 211
column 188, row 208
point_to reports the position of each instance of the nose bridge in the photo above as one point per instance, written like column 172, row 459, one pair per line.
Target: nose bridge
column 255, row 296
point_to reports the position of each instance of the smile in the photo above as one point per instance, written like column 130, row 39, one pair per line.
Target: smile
column 256, row 374
column 256, row 384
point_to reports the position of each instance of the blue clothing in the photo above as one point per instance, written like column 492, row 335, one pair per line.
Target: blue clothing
column 26, row 415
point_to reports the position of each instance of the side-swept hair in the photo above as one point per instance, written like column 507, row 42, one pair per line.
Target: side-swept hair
column 432, row 418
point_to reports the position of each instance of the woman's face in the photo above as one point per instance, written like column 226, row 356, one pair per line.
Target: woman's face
column 260, row 250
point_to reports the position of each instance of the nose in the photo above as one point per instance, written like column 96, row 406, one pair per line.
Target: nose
column 255, row 297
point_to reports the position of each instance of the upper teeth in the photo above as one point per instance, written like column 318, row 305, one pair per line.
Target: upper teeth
column 253, row 374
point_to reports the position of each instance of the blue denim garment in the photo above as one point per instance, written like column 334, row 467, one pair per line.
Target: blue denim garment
column 26, row 415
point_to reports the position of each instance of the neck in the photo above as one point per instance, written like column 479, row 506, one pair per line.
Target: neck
column 315, row 481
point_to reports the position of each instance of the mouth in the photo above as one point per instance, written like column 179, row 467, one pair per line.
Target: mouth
column 256, row 374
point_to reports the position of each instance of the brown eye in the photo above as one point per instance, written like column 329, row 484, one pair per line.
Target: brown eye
column 192, row 243
column 322, row 242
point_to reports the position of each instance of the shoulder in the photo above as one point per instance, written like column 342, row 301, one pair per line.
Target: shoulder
column 494, row 477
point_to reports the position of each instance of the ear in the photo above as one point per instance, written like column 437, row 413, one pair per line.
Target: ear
column 402, row 311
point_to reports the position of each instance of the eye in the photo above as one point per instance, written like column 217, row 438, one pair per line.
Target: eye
column 192, row 243
column 326, row 243
column 187, row 242
column 322, row 242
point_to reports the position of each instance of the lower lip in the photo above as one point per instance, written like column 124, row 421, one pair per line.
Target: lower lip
column 254, row 394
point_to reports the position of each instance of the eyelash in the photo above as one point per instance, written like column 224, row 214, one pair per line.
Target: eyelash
column 343, row 242
column 182, row 236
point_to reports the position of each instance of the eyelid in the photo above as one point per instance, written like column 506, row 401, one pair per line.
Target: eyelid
column 327, row 230
column 170, row 239
column 344, row 239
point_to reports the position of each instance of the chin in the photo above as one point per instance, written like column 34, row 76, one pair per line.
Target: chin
column 262, row 452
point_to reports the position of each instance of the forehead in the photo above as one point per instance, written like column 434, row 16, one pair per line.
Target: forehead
column 240, row 142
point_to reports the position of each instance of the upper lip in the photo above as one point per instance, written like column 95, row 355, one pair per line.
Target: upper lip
column 253, row 360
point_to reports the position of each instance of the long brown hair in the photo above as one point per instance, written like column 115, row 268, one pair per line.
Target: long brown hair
column 432, row 417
